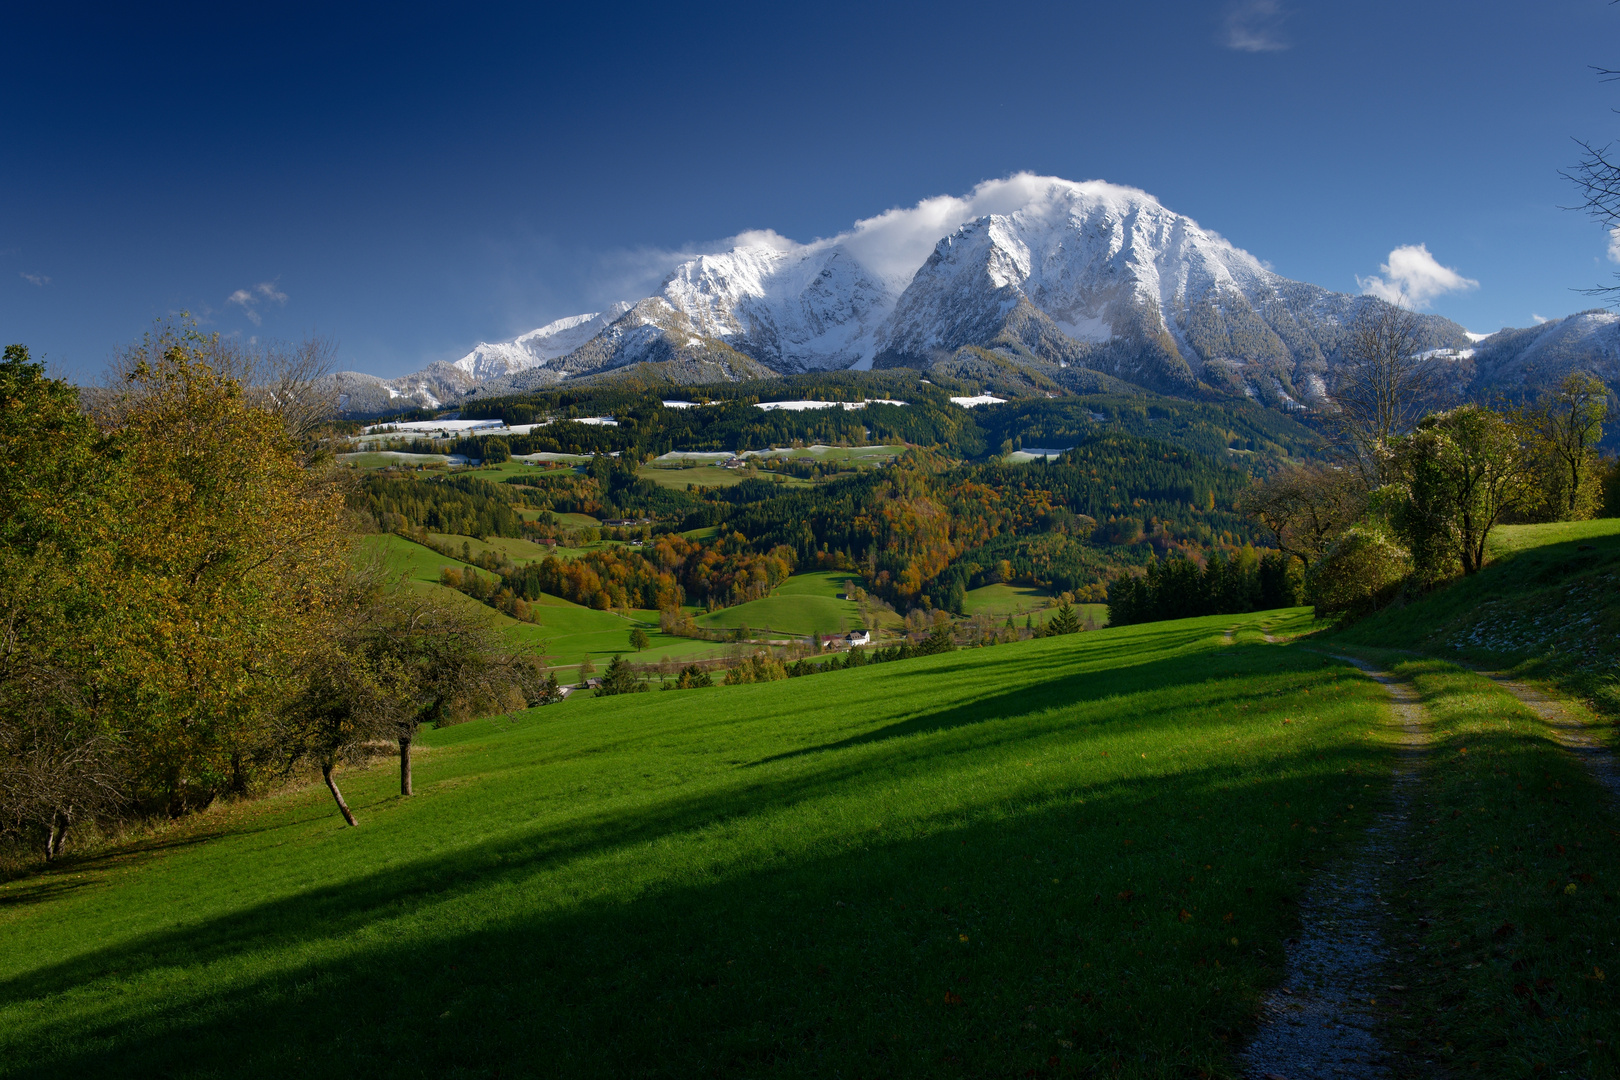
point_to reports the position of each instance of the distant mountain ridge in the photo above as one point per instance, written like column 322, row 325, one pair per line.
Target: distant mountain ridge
column 1067, row 284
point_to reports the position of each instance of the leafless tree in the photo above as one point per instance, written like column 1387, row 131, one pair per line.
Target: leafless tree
column 56, row 765
column 1597, row 178
column 289, row 379
column 1381, row 388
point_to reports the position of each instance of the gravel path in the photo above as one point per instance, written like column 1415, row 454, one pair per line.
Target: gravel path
column 1320, row 1022
column 1568, row 729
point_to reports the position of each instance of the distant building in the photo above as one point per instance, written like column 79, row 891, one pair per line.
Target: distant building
column 859, row 637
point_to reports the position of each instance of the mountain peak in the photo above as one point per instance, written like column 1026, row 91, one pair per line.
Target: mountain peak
column 1059, row 279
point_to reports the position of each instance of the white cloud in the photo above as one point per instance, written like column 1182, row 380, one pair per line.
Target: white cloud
column 1614, row 244
column 1255, row 26
column 1412, row 278
column 1539, row 318
column 34, row 279
column 893, row 244
column 249, row 299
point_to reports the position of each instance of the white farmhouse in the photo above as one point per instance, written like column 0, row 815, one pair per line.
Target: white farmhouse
column 859, row 637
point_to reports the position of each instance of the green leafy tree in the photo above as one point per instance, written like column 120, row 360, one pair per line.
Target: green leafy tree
column 691, row 677
column 1564, row 430
column 639, row 641
column 60, row 742
column 1458, row 473
column 1361, row 572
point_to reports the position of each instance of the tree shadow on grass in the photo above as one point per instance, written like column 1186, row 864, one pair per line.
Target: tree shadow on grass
column 1234, row 662
column 839, row 962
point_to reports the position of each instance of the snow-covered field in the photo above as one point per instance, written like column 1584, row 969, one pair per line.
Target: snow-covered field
column 439, row 427
column 800, row 406
column 981, row 399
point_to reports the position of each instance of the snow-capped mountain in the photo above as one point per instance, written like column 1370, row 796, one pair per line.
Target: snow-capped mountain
column 1104, row 277
column 1059, row 283
column 489, row 361
column 1542, row 355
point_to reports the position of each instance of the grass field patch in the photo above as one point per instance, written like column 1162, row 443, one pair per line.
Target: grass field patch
column 1064, row 855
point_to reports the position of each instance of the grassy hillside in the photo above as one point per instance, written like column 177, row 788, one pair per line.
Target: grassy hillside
column 1002, row 600
column 804, row 604
column 1547, row 607
column 567, row 632
column 1065, row 855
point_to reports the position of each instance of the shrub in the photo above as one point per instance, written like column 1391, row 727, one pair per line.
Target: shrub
column 760, row 667
column 1359, row 573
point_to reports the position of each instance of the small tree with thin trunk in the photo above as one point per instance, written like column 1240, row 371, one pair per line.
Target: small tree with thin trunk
column 1380, row 388
column 456, row 663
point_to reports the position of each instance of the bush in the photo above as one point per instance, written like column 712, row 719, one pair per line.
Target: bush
column 692, row 677
column 1360, row 573
column 761, row 667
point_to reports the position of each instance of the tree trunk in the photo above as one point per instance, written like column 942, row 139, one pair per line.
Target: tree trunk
column 405, row 765
column 58, row 833
column 343, row 807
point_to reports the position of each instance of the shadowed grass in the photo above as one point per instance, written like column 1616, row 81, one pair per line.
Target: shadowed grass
column 1548, row 609
column 1507, row 933
column 1067, row 855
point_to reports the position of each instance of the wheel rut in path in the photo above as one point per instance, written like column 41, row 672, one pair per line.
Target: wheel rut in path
column 1568, row 729
column 1320, row 1023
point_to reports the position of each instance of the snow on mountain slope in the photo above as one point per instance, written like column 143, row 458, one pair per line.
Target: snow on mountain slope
column 1154, row 298
column 492, row 360
column 803, row 308
column 1541, row 355
column 1038, row 280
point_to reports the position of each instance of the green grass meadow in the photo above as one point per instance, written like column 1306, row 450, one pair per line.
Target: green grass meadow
column 1547, row 608
column 1505, row 938
column 1075, row 855
column 804, row 604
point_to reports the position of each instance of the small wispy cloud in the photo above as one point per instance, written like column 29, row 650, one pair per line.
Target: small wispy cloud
column 1256, row 26
column 1412, row 278
column 1539, row 318
column 250, row 299
column 1614, row 244
column 41, row 279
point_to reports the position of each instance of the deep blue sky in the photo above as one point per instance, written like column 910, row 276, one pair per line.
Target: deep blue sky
column 413, row 180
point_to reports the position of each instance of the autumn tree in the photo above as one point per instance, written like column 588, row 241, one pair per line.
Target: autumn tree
column 1307, row 508
column 226, row 543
